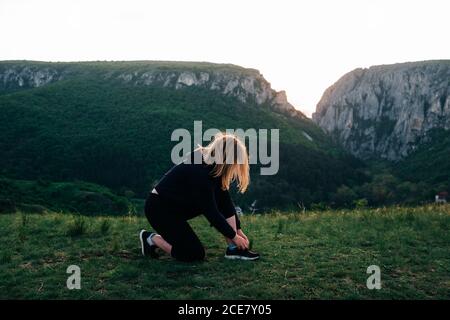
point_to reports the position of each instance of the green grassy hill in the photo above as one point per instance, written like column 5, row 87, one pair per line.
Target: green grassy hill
column 430, row 163
column 83, row 121
column 304, row 256
column 44, row 196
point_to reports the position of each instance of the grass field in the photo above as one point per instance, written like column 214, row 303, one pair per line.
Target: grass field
column 315, row 255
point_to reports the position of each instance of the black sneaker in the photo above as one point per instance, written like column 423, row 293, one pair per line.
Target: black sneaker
column 237, row 254
column 146, row 249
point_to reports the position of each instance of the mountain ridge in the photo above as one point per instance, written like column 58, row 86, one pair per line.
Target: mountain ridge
column 385, row 111
column 242, row 83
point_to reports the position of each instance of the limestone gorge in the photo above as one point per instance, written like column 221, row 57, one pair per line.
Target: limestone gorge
column 387, row 111
column 110, row 123
column 384, row 111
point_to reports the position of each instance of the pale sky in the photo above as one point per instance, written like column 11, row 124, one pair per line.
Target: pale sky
column 299, row 46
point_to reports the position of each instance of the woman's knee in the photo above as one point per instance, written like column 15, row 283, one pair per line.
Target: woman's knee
column 191, row 254
column 200, row 253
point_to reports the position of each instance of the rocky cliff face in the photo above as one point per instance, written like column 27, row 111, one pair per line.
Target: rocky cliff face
column 247, row 85
column 386, row 111
column 16, row 77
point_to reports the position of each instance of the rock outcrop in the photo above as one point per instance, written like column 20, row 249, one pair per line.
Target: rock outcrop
column 247, row 85
column 386, row 111
column 15, row 77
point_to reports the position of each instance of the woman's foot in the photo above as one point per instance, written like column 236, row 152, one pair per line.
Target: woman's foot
column 238, row 254
column 147, row 246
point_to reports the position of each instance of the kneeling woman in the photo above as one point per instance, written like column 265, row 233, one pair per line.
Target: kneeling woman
column 199, row 185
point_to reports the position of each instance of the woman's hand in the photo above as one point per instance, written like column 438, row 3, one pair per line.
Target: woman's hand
column 240, row 242
column 242, row 234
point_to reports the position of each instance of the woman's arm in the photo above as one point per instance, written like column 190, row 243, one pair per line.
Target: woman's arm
column 218, row 203
column 215, row 217
column 244, row 241
column 221, row 224
column 226, row 205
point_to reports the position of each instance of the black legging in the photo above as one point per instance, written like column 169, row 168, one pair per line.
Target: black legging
column 162, row 216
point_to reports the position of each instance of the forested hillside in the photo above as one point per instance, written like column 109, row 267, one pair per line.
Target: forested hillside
column 110, row 123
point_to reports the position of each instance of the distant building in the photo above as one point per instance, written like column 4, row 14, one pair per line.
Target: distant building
column 441, row 197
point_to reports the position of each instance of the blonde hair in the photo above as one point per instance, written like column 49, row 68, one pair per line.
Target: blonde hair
column 228, row 164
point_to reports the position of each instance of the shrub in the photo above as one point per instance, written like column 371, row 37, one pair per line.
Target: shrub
column 129, row 194
column 105, row 226
column 321, row 206
column 360, row 203
column 77, row 227
column 32, row 208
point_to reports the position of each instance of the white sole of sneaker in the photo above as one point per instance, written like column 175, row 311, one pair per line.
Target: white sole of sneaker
column 240, row 258
column 141, row 239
